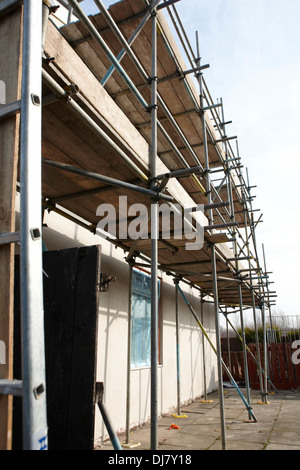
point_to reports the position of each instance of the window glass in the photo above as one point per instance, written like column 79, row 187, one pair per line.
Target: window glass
column 141, row 319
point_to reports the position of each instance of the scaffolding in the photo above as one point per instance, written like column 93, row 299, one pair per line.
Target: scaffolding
column 178, row 152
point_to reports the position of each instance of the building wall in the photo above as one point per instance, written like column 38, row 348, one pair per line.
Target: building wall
column 60, row 233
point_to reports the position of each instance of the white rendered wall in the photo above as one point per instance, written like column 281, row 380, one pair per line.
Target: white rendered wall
column 112, row 336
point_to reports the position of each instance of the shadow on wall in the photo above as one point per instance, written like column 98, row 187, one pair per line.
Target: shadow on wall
column 211, row 382
column 55, row 240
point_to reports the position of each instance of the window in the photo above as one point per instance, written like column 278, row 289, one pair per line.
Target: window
column 141, row 319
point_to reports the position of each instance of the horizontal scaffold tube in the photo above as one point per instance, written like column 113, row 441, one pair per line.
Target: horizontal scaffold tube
column 249, row 409
column 181, row 172
column 107, row 179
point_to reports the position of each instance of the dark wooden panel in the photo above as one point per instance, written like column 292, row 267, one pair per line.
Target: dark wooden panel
column 83, row 370
column 59, row 312
column 71, row 294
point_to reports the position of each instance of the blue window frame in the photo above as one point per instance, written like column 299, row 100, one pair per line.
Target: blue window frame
column 141, row 319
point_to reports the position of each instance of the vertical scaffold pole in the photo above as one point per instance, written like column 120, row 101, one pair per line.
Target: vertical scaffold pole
column 203, row 349
column 266, row 362
column 228, row 344
column 33, row 349
column 267, row 283
column 154, row 240
column 244, row 346
column 253, row 305
column 130, row 265
column 265, row 346
column 177, row 348
column 262, row 307
column 232, row 217
column 270, row 337
column 213, row 254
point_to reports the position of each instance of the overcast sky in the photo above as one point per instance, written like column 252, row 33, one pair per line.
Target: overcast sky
column 253, row 48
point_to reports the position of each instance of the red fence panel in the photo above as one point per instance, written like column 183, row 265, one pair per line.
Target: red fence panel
column 283, row 371
column 236, row 367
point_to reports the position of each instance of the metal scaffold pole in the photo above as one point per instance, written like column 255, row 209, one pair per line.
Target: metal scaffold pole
column 267, row 286
column 130, row 266
column 228, row 343
column 244, row 346
column 223, row 365
column 131, row 39
column 33, row 350
column 264, row 390
column 253, row 306
column 154, row 241
column 177, row 348
column 203, row 349
column 249, row 350
column 239, row 286
column 213, row 254
column 265, row 349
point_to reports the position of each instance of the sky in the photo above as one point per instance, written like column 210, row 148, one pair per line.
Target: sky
column 253, row 48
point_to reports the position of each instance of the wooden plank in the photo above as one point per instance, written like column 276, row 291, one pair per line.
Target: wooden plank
column 234, row 365
column 10, row 74
column 111, row 116
column 274, row 367
column 242, row 366
column 289, row 365
column 79, row 143
column 225, row 359
column 17, row 438
column 282, row 365
column 174, row 92
column 83, row 372
column 252, row 367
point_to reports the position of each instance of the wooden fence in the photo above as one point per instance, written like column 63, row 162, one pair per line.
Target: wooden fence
column 235, row 365
column 282, row 370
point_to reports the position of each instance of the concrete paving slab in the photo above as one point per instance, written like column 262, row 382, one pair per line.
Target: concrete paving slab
column 283, row 425
column 203, row 430
column 230, row 445
column 284, row 437
column 247, row 435
column 281, row 447
column 192, row 444
column 277, row 426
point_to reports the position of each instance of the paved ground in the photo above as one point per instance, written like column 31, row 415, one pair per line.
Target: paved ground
column 277, row 426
